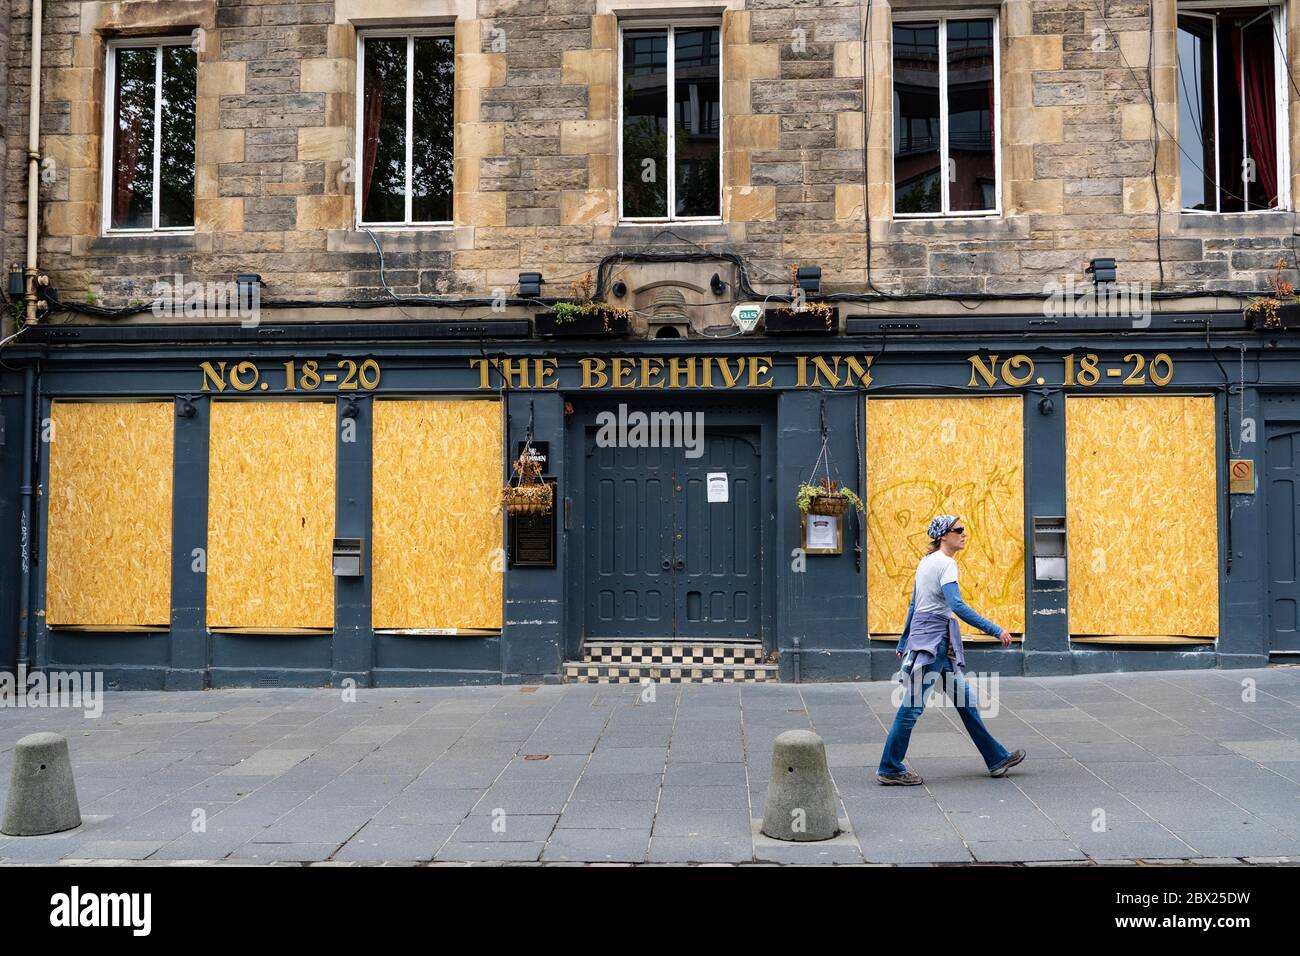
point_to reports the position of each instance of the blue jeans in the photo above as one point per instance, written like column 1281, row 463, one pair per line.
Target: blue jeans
column 900, row 734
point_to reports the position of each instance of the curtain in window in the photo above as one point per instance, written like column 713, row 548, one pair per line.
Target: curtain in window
column 374, row 107
column 1255, row 46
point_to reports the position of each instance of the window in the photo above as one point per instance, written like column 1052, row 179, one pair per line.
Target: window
column 945, row 117
column 149, row 135
column 1231, row 98
column 405, row 134
column 671, row 170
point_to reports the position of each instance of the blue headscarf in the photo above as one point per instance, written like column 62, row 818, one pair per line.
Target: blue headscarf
column 941, row 526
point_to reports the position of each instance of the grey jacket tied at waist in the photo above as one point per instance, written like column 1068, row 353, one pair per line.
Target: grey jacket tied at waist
column 928, row 631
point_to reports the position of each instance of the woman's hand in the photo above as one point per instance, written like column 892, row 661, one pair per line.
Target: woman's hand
column 1005, row 638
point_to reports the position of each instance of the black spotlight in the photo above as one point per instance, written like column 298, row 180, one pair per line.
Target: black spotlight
column 351, row 410
column 619, row 289
column 1102, row 270
column 244, row 286
column 1045, row 405
column 810, row 279
column 717, row 285
column 185, row 409
column 530, row 284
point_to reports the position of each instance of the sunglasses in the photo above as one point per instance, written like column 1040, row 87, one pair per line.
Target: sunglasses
column 957, row 530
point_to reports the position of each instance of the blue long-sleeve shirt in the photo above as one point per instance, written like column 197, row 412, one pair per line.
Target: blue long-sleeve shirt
column 952, row 596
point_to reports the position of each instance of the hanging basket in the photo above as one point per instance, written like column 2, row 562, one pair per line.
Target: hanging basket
column 833, row 505
column 521, row 499
column 531, row 495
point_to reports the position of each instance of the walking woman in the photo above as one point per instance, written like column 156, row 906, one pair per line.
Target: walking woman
column 931, row 640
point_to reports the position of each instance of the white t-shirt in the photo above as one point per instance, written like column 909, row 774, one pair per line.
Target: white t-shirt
column 932, row 573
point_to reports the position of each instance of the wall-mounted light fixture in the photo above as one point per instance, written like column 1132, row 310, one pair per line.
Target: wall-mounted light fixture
column 717, row 285
column 1102, row 270
column 530, row 284
column 809, row 279
column 185, row 409
column 248, row 286
column 619, row 288
column 351, row 409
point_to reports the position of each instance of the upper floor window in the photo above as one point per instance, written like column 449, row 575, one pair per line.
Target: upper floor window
column 149, row 135
column 1231, row 106
column 404, row 151
column 670, row 104
column 945, row 117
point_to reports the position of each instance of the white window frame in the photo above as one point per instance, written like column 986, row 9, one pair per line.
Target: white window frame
column 110, row 133
column 943, row 21
column 671, row 25
column 407, row 225
column 1208, row 10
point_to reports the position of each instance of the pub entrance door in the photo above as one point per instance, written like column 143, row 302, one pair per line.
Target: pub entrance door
column 664, row 558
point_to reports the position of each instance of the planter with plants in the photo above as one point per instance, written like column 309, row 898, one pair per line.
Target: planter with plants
column 801, row 317
column 527, row 491
column 827, row 497
column 815, row 318
column 1280, row 309
column 582, row 316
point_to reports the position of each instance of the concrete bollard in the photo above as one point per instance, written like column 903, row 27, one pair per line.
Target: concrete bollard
column 42, row 796
column 800, row 796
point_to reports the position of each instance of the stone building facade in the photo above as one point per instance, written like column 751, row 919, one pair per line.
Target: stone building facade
column 314, row 493
column 536, row 142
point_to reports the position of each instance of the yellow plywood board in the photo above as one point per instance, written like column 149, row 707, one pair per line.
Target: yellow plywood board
column 958, row 456
column 1142, row 515
column 271, row 515
column 110, row 514
column 437, row 558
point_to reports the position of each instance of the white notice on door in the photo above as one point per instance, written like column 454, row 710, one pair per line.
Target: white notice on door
column 717, row 482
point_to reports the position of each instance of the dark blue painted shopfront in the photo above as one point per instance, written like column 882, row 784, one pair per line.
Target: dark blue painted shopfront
column 641, row 553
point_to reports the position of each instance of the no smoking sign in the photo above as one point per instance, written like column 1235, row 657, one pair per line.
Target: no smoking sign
column 1241, row 476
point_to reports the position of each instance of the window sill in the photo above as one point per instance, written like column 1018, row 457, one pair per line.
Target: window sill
column 169, row 242
column 640, row 230
column 407, row 227
column 1272, row 222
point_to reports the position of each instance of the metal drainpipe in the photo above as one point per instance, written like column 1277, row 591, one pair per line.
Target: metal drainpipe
column 33, row 159
column 25, row 519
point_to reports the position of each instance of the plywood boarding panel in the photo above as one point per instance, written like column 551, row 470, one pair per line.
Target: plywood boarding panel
column 436, row 514
column 110, row 514
column 271, row 515
column 1142, row 515
column 959, row 456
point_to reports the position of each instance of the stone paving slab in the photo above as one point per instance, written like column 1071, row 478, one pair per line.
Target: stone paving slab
column 1121, row 768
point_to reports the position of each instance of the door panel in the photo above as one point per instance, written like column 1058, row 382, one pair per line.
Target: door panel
column 720, row 584
column 663, row 562
column 629, row 526
column 1282, row 484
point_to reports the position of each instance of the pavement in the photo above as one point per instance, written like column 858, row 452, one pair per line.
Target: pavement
column 1200, row 766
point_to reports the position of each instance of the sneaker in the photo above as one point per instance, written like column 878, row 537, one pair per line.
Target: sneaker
column 1007, row 764
column 905, row 779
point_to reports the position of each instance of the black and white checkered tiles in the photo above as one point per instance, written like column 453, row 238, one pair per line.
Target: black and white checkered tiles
column 699, row 662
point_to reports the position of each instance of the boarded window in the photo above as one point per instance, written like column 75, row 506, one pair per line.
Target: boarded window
column 110, row 514
column 271, row 515
column 437, row 559
column 1142, row 516
column 958, row 456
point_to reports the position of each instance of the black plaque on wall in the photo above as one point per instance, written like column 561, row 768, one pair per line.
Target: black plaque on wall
column 532, row 534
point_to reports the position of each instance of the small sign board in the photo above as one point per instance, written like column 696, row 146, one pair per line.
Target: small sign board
column 717, row 485
column 821, row 534
column 532, row 535
column 539, row 452
column 1241, row 476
